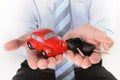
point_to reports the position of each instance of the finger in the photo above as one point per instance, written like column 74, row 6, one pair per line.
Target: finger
column 95, row 58
column 51, row 62
column 111, row 42
column 13, row 44
column 59, row 58
column 108, row 43
column 105, row 45
column 32, row 59
column 69, row 55
column 42, row 63
column 86, row 63
column 104, row 40
column 78, row 60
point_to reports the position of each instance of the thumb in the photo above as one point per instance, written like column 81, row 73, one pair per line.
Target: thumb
column 104, row 40
column 107, row 43
column 16, row 43
column 13, row 44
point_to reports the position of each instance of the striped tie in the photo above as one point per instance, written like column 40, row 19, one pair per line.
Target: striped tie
column 62, row 16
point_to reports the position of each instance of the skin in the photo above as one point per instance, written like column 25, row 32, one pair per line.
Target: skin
column 86, row 32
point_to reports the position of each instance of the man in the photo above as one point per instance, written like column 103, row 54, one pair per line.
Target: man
column 91, row 21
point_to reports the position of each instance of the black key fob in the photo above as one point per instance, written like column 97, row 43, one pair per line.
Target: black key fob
column 85, row 47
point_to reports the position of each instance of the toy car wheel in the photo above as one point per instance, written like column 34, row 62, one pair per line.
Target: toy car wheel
column 43, row 54
column 30, row 46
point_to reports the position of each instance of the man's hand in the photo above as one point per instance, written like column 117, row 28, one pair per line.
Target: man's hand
column 91, row 35
column 34, row 60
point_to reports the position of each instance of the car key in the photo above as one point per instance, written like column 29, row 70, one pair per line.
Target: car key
column 77, row 45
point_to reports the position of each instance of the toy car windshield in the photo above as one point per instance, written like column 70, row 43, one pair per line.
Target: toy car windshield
column 49, row 35
column 36, row 38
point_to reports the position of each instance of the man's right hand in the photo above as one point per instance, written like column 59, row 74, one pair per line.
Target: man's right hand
column 34, row 60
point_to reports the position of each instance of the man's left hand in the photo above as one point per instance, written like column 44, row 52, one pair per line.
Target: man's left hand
column 91, row 35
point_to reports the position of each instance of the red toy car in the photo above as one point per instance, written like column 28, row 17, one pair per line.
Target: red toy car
column 47, row 42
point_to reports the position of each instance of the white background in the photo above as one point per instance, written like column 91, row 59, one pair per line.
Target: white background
column 10, row 61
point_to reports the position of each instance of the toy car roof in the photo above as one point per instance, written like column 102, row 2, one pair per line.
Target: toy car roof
column 42, row 32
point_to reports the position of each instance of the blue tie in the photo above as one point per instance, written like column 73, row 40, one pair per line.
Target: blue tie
column 62, row 16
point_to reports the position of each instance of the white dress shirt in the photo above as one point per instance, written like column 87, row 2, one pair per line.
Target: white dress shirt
column 39, row 14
